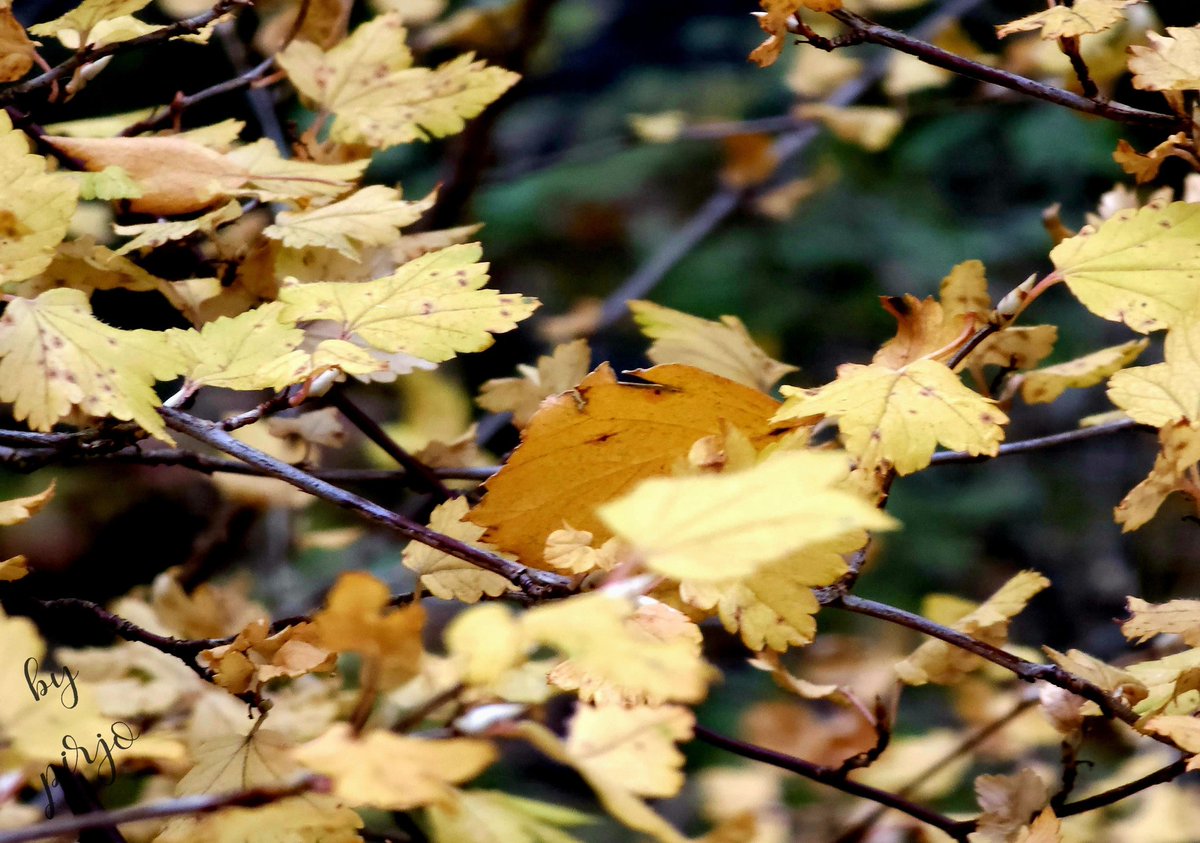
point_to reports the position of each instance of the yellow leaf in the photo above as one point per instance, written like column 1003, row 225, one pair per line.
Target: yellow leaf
column 1016, row 347
column 1175, row 617
column 87, row 14
column 724, row 348
column 35, row 206
column 571, row 550
column 1112, row 679
column 1172, row 684
column 54, row 356
column 1170, row 63
column 1184, row 730
column 357, row 619
column 371, row 216
column 1007, row 803
column 923, row 327
column 1140, row 267
column 1083, row 17
column 816, row 73
column 906, row 755
column 870, row 126
column 431, row 308
column 944, row 664
column 177, row 176
column 725, row 526
column 1043, row 386
column 394, row 772
column 621, row 654
column 486, row 642
column 565, row 464
column 774, row 606
column 84, row 265
column 1168, row 392
column 901, row 415
column 133, row 680
column 255, row 350
column 623, row 753
column 774, row 21
column 13, row 569
column 17, row 510
column 375, row 94
column 554, row 373
column 1171, row 472
column 233, row 762
column 151, row 234
column 300, row 819
column 255, row 658
column 1146, row 167
column 449, row 577
column 1045, row 829
column 16, row 50
column 271, row 178
column 497, row 817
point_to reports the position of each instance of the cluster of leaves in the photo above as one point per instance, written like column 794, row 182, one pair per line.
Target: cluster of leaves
column 636, row 515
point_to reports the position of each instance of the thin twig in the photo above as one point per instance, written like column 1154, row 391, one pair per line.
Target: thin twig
column 1040, row 443
column 182, row 103
column 91, row 54
column 1113, row 795
column 157, row 810
column 873, row 33
column 1070, row 49
column 831, row 777
column 534, row 583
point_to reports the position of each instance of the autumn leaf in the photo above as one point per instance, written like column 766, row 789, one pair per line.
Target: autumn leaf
column 621, row 653
column 901, row 415
column 1183, row 730
column 1170, row 63
column 1139, row 267
column 872, row 127
column 939, row 662
column 553, row 373
column 151, row 234
column 18, row 510
column 55, row 356
column 725, row 526
column 255, row 657
column 313, row 817
column 16, row 50
column 431, row 308
column 1172, row 472
column 486, row 642
column 774, row 21
column 1168, row 392
column 1083, row 17
column 272, row 178
column 1007, row 803
column 35, row 206
column 1146, row 167
column 492, row 815
column 724, row 348
column 357, row 619
column 86, row 15
column 1175, row 617
column 1045, row 829
column 564, row 466
column 371, row 216
column 571, row 550
column 394, row 772
column 449, row 577
column 367, row 81
column 85, row 265
column 1120, row 683
column 1172, row 684
column 1042, row 386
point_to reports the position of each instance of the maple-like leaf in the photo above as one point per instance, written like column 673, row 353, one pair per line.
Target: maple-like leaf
column 571, row 550
column 939, row 662
column 1118, row 682
column 35, row 206
column 357, row 619
column 16, row 50
column 1183, row 730
column 553, row 373
column 571, row 451
column 378, row 98
column 1045, row 829
column 1146, row 167
column 431, row 308
column 724, row 526
column 1168, row 392
column 1175, row 617
column 1083, row 17
column 300, row 819
column 724, row 348
column 623, row 753
column 55, row 356
column 487, row 642
column 255, row 657
column 371, row 216
column 1042, row 386
column 621, row 653
column 774, row 607
column 1007, row 803
column 1179, row 454
column 1172, row 684
column 498, row 817
column 901, row 415
column 271, row 177
column 394, row 772
column 255, row 350
column 774, row 21
column 1140, row 267
column 1170, row 63
column 133, row 680
column 18, row 510
column 151, row 234
column 87, row 14
column 85, row 265
column 449, row 577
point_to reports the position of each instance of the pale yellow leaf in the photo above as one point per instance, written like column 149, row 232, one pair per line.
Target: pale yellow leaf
column 84, row 265
column 1140, row 267
column 1168, row 392
column 1007, row 803
column 55, row 356
column 553, row 374
column 151, row 234
column 375, row 94
column 234, row 762
column 487, row 642
column 571, row 550
column 449, row 577
column 17, row 510
column 869, row 126
column 271, row 177
column 1172, row 684
column 371, row 216
column 1175, row 617
column 724, row 348
column 300, row 819
column 87, row 14
column 431, row 308
column 1043, row 386
column 1179, row 453
column 16, row 50
column 1170, row 63
column 492, row 816
column 901, row 415
column 255, row 350
column 397, row 773
column 35, row 206
column 1083, row 17
column 725, row 526
column 1045, row 829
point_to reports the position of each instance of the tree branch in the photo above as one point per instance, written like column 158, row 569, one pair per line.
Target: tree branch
column 1025, row 446
column 91, row 54
column 1100, row 800
column 181, row 104
column 157, row 810
column 534, row 583
column 831, row 777
column 872, row 33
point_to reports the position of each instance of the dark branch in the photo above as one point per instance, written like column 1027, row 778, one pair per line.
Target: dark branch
column 182, row 103
column 1025, row 446
column 1160, row 776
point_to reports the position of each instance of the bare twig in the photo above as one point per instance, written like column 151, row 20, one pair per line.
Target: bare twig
column 1109, row 797
column 833, row 778
column 534, row 583
column 1025, row 446
column 156, row 810
column 171, row 113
